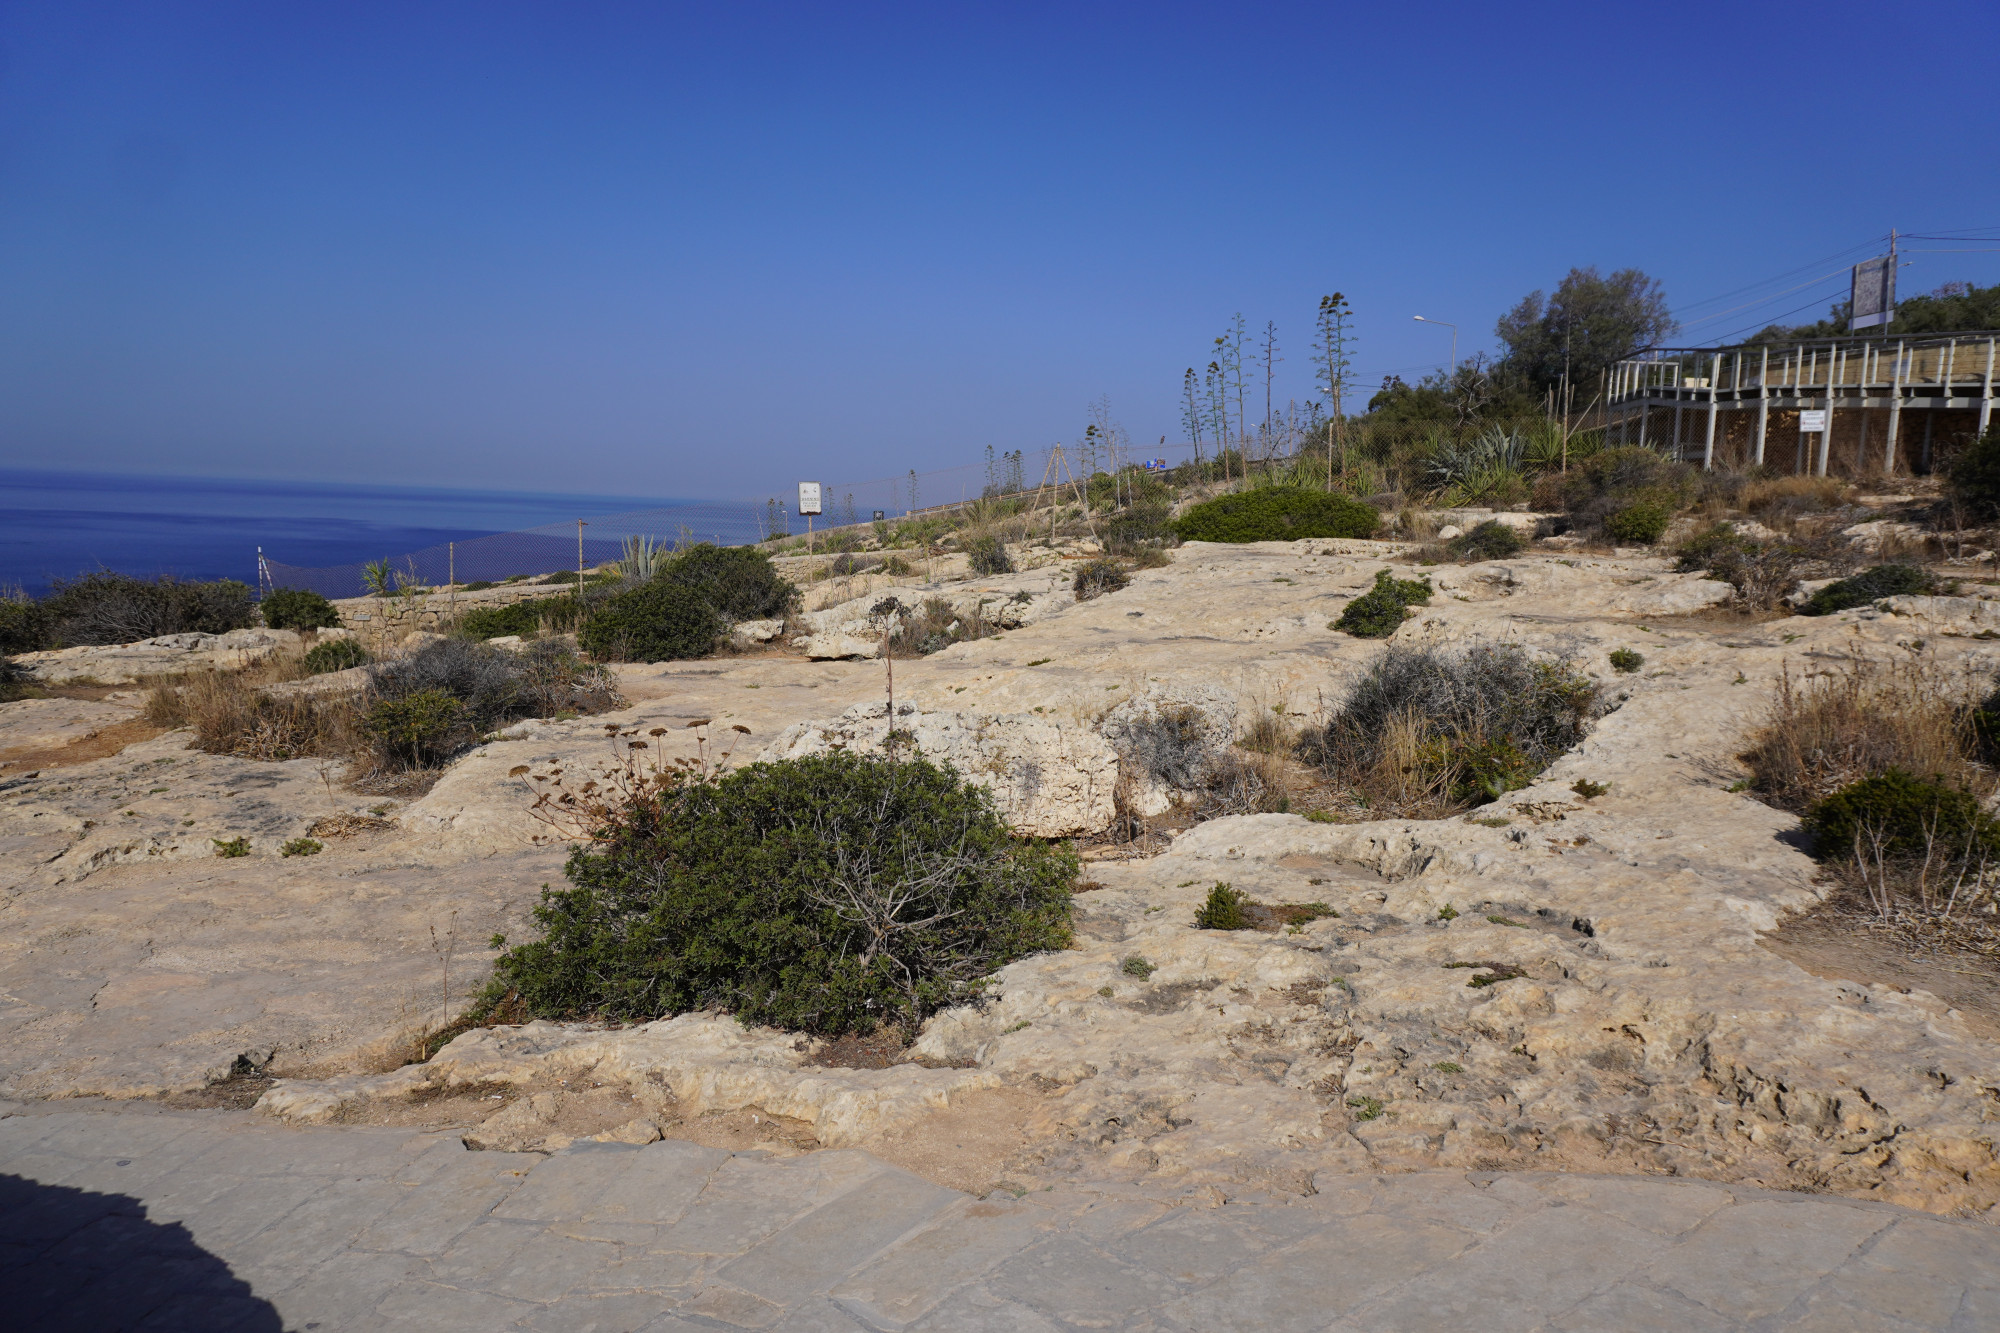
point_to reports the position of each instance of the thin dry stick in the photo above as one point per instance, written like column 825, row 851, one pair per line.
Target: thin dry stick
column 444, row 952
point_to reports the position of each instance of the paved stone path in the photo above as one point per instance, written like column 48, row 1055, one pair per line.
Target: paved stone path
column 223, row 1221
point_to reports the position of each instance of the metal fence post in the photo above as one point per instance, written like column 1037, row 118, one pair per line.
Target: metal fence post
column 1986, row 395
column 1763, row 404
column 1895, row 412
column 1714, row 383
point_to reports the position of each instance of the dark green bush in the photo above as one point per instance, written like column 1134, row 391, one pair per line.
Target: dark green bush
column 335, row 655
column 1377, row 613
column 1226, row 909
column 1626, row 661
column 1491, row 540
column 830, row 894
column 988, row 556
column 1643, row 521
column 106, row 608
column 1899, row 814
column 1973, row 478
column 422, row 729
column 1140, row 527
column 490, row 687
column 1625, row 487
column 298, row 608
column 740, row 582
column 1094, row 578
column 1276, row 513
column 1868, row 586
column 655, row 622
column 25, row 626
column 559, row 614
column 477, row 585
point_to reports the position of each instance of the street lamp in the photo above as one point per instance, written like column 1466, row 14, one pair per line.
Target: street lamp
column 1454, row 340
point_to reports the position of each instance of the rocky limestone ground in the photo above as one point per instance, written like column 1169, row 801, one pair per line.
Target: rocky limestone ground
column 1598, row 997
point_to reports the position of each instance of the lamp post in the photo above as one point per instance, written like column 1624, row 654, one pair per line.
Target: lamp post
column 1454, row 340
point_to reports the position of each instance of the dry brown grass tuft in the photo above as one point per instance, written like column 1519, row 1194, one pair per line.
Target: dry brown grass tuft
column 232, row 712
column 1776, row 500
column 1828, row 728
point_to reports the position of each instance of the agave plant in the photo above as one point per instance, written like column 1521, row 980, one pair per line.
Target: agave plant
column 639, row 557
column 1476, row 468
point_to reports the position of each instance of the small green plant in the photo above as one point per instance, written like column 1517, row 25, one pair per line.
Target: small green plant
column 424, row 727
column 1643, row 522
column 231, row 846
column 1365, row 1108
column 1494, row 821
column 297, row 608
column 1447, row 913
column 335, row 655
column 1276, row 513
column 987, row 556
column 1135, row 966
column 1870, row 585
column 1224, row 910
column 1321, row 817
column 1106, row 992
column 1380, row 612
column 1587, row 789
column 1041, row 661
column 1499, row 920
column 302, row 847
column 1626, row 661
column 1448, row 1067
column 1012, row 1028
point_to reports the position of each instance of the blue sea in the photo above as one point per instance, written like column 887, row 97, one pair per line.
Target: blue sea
column 60, row 524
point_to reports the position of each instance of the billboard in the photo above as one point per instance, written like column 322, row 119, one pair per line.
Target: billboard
column 1873, row 298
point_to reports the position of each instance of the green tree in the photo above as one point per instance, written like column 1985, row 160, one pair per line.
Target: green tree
column 1589, row 323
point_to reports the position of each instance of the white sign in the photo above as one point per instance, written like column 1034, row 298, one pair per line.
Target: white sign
column 809, row 497
column 1812, row 419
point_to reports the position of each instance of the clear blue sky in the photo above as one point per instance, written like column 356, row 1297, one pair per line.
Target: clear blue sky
column 705, row 250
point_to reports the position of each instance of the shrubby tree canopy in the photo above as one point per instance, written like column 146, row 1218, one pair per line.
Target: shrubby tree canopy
column 1599, row 320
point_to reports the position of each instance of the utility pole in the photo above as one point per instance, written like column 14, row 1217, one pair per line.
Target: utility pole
column 580, row 526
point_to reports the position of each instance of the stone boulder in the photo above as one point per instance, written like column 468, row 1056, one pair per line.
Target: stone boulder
column 128, row 663
column 1047, row 780
column 1166, row 740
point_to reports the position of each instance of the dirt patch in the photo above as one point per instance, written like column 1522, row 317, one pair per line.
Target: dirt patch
column 971, row 1146
column 238, row 1092
column 877, row 1050
column 100, row 744
column 1837, row 942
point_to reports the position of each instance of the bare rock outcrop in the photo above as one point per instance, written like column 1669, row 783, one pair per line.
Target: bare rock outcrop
column 1048, row 780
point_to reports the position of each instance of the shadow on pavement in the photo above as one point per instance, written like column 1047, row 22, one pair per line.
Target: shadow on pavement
column 73, row 1259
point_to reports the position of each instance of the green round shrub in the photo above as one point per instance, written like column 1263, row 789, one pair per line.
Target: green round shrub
column 1973, row 478
column 335, row 655
column 1276, row 514
column 1868, row 586
column 298, row 608
column 1642, row 522
column 988, row 557
column 1626, row 661
column 740, row 582
column 1094, row 578
column 832, row 893
column 1900, row 813
column 423, row 728
column 1379, row 612
column 656, row 622
column 1225, row 909
column 1491, row 540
